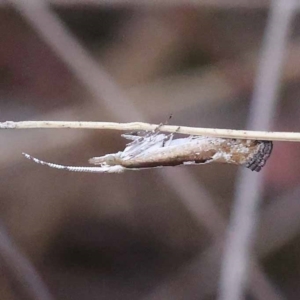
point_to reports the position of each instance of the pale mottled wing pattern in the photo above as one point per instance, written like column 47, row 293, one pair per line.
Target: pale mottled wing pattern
column 155, row 149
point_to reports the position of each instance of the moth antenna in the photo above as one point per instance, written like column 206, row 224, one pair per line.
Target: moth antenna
column 102, row 169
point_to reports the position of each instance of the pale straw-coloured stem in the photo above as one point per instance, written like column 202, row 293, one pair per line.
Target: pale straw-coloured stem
column 137, row 126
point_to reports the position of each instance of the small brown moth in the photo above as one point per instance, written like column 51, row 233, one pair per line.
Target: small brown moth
column 155, row 149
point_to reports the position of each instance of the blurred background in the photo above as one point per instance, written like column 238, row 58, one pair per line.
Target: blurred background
column 153, row 234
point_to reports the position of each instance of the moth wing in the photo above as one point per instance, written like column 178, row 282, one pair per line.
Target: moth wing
column 142, row 145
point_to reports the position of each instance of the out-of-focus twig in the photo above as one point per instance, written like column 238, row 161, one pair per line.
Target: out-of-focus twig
column 249, row 188
column 228, row 80
column 274, row 232
column 22, row 269
column 76, row 57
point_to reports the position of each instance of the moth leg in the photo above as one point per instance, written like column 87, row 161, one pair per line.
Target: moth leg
column 156, row 130
column 167, row 141
column 140, row 136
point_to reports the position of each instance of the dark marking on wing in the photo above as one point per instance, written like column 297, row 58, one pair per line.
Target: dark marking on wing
column 260, row 158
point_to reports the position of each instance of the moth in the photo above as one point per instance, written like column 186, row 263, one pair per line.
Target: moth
column 155, row 149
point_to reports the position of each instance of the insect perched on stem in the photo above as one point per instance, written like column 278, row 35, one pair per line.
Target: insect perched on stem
column 155, row 149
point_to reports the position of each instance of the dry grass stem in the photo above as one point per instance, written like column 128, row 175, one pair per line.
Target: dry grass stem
column 138, row 126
